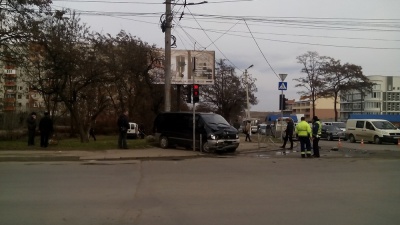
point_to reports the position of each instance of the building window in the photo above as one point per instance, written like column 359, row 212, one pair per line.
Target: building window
column 376, row 87
column 19, row 96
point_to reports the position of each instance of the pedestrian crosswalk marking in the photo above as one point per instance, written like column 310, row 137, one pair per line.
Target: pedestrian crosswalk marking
column 282, row 86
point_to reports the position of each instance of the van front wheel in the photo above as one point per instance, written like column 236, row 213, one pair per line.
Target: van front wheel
column 164, row 142
column 206, row 147
column 377, row 140
column 352, row 138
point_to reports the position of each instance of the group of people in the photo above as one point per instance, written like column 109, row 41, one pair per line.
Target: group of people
column 305, row 134
column 45, row 129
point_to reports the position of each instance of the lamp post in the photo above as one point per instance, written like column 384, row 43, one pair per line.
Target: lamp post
column 247, row 92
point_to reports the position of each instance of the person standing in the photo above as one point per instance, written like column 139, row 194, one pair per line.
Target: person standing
column 248, row 130
column 91, row 133
column 316, row 135
column 303, row 131
column 31, row 121
column 123, row 126
column 288, row 133
column 45, row 128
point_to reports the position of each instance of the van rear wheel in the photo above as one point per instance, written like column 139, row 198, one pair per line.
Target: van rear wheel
column 164, row 142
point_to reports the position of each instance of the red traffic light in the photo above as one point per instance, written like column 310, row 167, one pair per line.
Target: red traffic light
column 196, row 92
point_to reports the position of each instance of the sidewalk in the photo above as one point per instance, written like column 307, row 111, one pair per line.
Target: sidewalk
column 252, row 149
column 112, row 154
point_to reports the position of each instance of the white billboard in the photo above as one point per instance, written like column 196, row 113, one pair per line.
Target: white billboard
column 188, row 67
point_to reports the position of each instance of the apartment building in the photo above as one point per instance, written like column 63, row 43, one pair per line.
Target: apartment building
column 324, row 109
column 15, row 94
column 384, row 98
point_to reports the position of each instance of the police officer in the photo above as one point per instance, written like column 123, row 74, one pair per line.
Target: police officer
column 316, row 135
column 303, row 131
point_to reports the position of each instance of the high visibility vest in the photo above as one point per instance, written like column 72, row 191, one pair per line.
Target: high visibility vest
column 303, row 129
column 319, row 127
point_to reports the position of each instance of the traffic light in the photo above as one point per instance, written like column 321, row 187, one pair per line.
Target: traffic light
column 282, row 102
column 188, row 92
column 196, row 93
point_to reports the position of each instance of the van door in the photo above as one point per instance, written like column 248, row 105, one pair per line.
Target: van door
column 369, row 131
column 360, row 130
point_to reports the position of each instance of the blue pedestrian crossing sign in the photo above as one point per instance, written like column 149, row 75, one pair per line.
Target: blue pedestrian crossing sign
column 282, row 86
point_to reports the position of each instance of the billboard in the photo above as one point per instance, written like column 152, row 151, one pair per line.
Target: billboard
column 188, row 67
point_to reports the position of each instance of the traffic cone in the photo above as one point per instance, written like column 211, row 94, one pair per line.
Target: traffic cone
column 362, row 142
column 339, row 144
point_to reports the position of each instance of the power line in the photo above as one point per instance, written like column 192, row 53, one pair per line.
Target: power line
column 261, row 50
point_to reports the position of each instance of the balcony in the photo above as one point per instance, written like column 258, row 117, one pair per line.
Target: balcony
column 9, row 100
column 10, row 83
column 11, row 76
column 9, row 108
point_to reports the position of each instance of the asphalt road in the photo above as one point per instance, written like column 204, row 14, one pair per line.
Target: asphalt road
column 222, row 190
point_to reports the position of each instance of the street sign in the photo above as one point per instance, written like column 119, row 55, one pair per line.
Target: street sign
column 282, row 76
column 282, row 86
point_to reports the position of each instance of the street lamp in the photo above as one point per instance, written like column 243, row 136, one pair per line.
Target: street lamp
column 247, row 91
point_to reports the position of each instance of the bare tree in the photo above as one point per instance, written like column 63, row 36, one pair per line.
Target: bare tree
column 312, row 82
column 17, row 19
column 228, row 95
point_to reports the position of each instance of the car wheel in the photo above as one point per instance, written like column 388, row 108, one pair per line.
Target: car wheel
column 164, row 142
column 377, row 140
column 206, row 147
column 352, row 138
column 330, row 138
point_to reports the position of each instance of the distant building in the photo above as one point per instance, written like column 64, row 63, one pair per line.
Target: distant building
column 324, row 109
column 15, row 94
column 384, row 99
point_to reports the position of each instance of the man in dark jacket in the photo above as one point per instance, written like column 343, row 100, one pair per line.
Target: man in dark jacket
column 31, row 121
column 288, row 133
column 45, row 128
column 123, row 126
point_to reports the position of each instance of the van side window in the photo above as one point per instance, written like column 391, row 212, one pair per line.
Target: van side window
column 369, row 126
column 360, row 124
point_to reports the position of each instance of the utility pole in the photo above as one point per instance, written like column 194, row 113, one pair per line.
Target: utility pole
column 247, row 92
column 167, row 63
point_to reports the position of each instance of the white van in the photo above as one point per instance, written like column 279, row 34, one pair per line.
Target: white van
column 371, row 130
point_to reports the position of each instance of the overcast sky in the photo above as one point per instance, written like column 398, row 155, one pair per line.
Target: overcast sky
column 268, row 34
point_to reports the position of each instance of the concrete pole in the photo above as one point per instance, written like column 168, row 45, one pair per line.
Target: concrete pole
column 167, row 64
column 247, row 95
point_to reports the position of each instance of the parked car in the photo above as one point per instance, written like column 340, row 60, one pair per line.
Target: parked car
column 341, row 125
column 133, row 131
column 212, row 131
column 331, row 132
column 262, row 129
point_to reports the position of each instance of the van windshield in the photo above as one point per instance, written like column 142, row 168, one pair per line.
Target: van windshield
column 215, row 119
column 384, row 125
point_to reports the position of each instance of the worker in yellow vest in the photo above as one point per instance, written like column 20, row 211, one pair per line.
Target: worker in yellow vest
column 303, row 131
column 316, row 135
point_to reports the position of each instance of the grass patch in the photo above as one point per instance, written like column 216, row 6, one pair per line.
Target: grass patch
column 65, row 144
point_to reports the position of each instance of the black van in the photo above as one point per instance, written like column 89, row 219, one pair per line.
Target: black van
column 176, row 128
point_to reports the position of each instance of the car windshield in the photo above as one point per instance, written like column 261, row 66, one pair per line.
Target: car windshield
column 333, row 128
column 384, row 125
column 215, row 119
column 340, row 125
